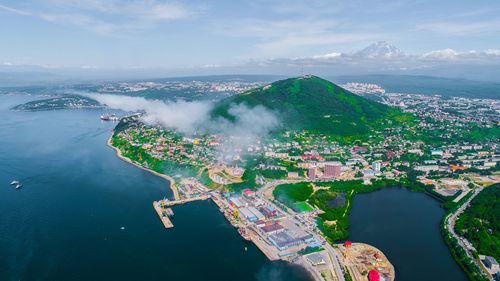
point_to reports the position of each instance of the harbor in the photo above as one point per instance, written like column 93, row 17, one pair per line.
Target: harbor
column 162, row 214
column 282, row 234
column 189, row 190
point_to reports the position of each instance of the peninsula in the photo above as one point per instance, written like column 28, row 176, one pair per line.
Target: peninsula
column 59, row 102
column 290, row 193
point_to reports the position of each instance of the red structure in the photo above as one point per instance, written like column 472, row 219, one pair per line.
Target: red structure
column 373, row 275
column 390, row 154
column 249, row 193
column 332, row 170
column 347, row 244
column 311, row 173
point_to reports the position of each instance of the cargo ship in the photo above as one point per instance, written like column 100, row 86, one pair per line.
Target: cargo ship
column 111, row 117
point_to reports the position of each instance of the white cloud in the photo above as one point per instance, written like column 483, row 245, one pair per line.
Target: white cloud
column 279, row 38
column 452, row 55
column 133, row 9
column 383, row 56
column 167, row 12
column 106, row 16
column 14, row 11
column 247, row 126
column 445, row 54
column 461, row 28
column 287, row 45
column 180, row 115
column 492, row 52
column 328, row 56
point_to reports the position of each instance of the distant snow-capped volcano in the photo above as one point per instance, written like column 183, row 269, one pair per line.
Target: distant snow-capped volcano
column 381, row 49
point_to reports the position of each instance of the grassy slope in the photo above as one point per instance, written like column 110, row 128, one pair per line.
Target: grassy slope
column 317, row 105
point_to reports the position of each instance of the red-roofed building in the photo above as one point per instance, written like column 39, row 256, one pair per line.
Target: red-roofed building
column 359, row 149
column 271, row 227
column 311, row 173
column 347, row 244
column 312, row 156
column 373, row 275
column 249, row 193
column 457, row 168
column 390, row 154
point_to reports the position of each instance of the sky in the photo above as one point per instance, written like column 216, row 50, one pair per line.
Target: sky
column 247, row 36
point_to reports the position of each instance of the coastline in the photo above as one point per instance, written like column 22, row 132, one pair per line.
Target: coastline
column 335, row 266
column 171, row 180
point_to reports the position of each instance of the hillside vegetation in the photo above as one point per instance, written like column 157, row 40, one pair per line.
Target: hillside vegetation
column 480, row 223
column 317, row 105
column 60, row 102
column 332, row 198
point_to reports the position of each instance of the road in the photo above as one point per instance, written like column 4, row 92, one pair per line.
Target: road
column 450, row 225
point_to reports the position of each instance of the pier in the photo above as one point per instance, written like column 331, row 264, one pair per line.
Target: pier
column 160, row 205
column 162, row 215
column 169, row 203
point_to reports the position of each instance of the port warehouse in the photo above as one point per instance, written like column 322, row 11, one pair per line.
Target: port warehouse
column 252, row 214
column 259, row 220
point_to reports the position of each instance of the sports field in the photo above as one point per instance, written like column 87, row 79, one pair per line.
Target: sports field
column 302, row 207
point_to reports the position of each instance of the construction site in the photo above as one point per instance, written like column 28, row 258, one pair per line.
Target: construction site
column 366, row 262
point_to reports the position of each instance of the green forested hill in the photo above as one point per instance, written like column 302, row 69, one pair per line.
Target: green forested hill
column 316, row 104
column 480, row 223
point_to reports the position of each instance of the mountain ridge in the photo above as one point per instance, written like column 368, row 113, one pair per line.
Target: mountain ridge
column 315, row 104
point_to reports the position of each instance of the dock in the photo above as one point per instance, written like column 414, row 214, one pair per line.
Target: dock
column 169, row 203
column 160, row 205
column 167, row 223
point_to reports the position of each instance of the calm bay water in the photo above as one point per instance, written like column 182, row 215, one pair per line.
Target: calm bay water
column 65, row 223
column 405, row 226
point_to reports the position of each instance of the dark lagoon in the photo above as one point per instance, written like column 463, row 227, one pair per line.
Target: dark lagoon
column 65, row 223
column 405, row 225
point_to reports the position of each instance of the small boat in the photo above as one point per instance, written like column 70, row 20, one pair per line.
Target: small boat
column 246, row 249
column 122, row 228
column 169, row 212
column 14, row 183
column 18, row 186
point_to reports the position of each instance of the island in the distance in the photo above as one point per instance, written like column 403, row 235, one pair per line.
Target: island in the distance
column 60, row 102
